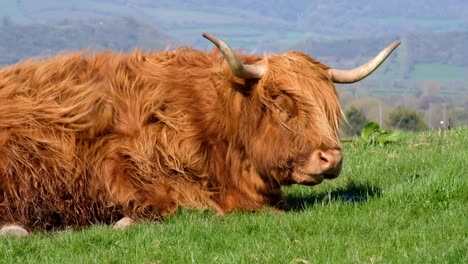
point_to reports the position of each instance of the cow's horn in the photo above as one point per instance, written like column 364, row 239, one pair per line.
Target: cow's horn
column 237, row 68
column 357, row 74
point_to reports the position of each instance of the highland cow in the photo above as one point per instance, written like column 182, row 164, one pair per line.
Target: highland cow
column 91, row 138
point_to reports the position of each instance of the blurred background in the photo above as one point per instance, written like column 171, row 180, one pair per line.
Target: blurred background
column 423, row 85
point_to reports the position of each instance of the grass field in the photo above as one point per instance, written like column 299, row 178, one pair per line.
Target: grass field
column 402, row 203
column 437, row 71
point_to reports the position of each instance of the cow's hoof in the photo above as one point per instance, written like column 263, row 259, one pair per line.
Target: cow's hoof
column 124, row 223
column 13, row 231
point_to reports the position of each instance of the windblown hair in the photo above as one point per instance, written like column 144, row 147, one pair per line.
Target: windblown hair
column 90, row 138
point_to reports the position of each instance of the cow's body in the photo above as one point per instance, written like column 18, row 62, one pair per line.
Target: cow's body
column 92, row 138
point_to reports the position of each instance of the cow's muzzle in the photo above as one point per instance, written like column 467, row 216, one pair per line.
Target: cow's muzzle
column 329, row 162
column 321, row 164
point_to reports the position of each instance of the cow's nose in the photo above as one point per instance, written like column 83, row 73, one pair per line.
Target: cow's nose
column 330, row 162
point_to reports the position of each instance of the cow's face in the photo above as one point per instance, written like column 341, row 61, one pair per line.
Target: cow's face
column 297, row 137
column 293, row 131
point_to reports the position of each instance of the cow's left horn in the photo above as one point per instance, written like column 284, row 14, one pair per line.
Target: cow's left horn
column 357, row 74
column 237, row 68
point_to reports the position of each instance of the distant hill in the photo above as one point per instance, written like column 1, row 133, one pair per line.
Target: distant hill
column 440, row 56
column 119, row 34
column 342, row 33
column 258, row 25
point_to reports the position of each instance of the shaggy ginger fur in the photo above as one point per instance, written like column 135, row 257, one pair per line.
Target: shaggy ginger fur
column 92, row 138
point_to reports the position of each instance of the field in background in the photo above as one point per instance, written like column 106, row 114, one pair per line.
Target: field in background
column 437, row 71
column 338, row 34
column 402, row 203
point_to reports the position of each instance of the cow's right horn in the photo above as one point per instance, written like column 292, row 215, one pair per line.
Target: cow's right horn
column 357, row 74
column 237, row 68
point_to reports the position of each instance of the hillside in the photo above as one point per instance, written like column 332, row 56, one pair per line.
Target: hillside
column 119, row 34
column 341, row 34
column 437, row 56
column 257, row 24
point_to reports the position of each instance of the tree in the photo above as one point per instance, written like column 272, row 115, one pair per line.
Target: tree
column 406, row 119
column 459, row 117
column 356, row 121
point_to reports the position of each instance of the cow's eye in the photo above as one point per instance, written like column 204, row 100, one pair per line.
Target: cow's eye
column 285, row 105
column 152, row 119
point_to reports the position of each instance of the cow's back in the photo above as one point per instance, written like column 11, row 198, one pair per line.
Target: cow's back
column 83, row 135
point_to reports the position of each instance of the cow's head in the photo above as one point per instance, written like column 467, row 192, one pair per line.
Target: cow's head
column 295, row 138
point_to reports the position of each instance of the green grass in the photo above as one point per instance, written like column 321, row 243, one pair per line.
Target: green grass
column 402, row 203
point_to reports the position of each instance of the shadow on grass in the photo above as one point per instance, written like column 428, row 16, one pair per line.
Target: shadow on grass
column 351, row 193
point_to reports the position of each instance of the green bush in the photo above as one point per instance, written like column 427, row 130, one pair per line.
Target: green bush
column 356, row 121
column 406, row 119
